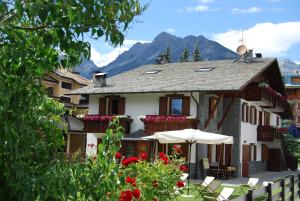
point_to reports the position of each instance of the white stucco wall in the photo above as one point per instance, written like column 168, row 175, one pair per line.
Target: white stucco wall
column 135, row 106
column 249, row 132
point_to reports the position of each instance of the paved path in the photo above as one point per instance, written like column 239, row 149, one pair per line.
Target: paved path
column 263, row 176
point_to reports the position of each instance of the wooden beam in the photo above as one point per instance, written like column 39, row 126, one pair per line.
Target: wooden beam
column 212, row 112
column 227, row 110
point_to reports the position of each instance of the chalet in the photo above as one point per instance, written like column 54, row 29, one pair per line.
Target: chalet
column 62, row 81
column 245, row 100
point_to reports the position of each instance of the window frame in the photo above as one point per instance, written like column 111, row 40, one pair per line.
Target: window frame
column 66, row 85
column 170, row 104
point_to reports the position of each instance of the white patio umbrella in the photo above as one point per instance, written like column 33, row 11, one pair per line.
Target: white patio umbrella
column 191, row 136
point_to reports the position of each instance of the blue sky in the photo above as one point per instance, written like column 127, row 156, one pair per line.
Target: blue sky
column 271, row 27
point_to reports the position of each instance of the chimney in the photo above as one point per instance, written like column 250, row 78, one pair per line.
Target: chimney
column 99, row 80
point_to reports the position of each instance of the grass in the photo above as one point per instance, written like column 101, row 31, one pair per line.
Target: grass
column 238, row 191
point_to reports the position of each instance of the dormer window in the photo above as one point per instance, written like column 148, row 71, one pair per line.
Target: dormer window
column 152, row 71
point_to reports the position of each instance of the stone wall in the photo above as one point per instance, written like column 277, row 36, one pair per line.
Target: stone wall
column 257, row 166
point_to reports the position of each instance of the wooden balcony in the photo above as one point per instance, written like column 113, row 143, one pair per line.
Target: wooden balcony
column 99, row 123
column 260, row 95
column 166, row 123
column 267, row 133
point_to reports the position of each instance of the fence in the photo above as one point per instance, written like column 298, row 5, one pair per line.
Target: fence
column 285, row 189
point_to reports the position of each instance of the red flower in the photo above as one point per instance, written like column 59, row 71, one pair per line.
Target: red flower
column 118, row 155
column 184, row 168
column 130, row 160
column 130, row 180
column 180, row 184
column 161, row 154
column 143, row 155
column 136, row 193
column 125, row 196
column 165, row 159
column 177, row 149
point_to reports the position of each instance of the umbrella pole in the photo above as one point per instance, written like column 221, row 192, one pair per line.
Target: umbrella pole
column 190, row 149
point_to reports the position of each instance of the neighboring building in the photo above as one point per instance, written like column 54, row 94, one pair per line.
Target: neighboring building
column 62, row 81
column 292, row 87
column 243, row 100
column 57, row 84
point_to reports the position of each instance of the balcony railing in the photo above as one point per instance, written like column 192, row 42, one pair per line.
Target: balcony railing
column 156, row 123
column 99, row 123
column 260, row 95
column 268, row 133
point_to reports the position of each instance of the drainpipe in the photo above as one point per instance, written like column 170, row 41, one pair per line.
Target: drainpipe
column 198, row 117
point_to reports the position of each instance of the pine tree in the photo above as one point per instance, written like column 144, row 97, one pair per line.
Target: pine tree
column 185, row 56
column 167, row 55
column 196, row 53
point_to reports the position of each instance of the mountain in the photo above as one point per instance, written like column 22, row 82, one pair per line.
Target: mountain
column 86, row 69
column 141, row 54
column 288, row 66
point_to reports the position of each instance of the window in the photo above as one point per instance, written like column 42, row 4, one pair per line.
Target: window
column 175, row 106
column 277, row 121
column 84, row 99
column 66, row 85
column 212, row 104
column 65, row 99
column 152, row 71
column 296, row 79
column 266, row 119
column 49, row 91
column 111, row 105
column 245, row 108
column 204, row 69
column 253, row 115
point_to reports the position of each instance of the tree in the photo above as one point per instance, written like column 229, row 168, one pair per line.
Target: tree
column 184, row 56
column 37, row 37
column 196, row 53
column 167, row 55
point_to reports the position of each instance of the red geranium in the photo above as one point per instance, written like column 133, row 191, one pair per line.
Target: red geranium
column 184, row 168
column 161, row 154
column 143, row 155
column 130, row 180
column 125, row 196
column 180, row 184
column 118, row 155
column 136, row 193
column 165, row 159
column 130, row 160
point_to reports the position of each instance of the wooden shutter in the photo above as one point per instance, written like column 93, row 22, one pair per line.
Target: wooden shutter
column 255, row 116
column 247, row 113
column 102, row 106
column 243, row 112
column 163, row 105
column 186, row 105
column 228, row 148
column 264, row 152
column 121, row 106
column 260, row 121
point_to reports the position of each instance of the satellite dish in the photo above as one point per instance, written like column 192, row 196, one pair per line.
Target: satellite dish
column 242, row 49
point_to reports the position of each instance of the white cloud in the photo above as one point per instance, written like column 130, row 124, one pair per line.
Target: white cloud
column 200, row 8
column 297, row 62
column 170, row 30
column 104, row 59
column 253, row 9
column 270, row 39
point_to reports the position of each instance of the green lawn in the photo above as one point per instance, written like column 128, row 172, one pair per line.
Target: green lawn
column 237, row 192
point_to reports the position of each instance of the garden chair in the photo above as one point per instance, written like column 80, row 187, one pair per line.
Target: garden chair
column 208, row 186
column 223, row 196
column 252, row 183
column 184, row 177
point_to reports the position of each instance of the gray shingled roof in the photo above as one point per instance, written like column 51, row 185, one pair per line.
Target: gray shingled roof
column 181, row 77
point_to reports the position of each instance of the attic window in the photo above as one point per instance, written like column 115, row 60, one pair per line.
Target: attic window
column 152, row 71
column 205, row 69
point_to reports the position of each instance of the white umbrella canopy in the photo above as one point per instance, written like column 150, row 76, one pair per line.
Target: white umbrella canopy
column 191, row 136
